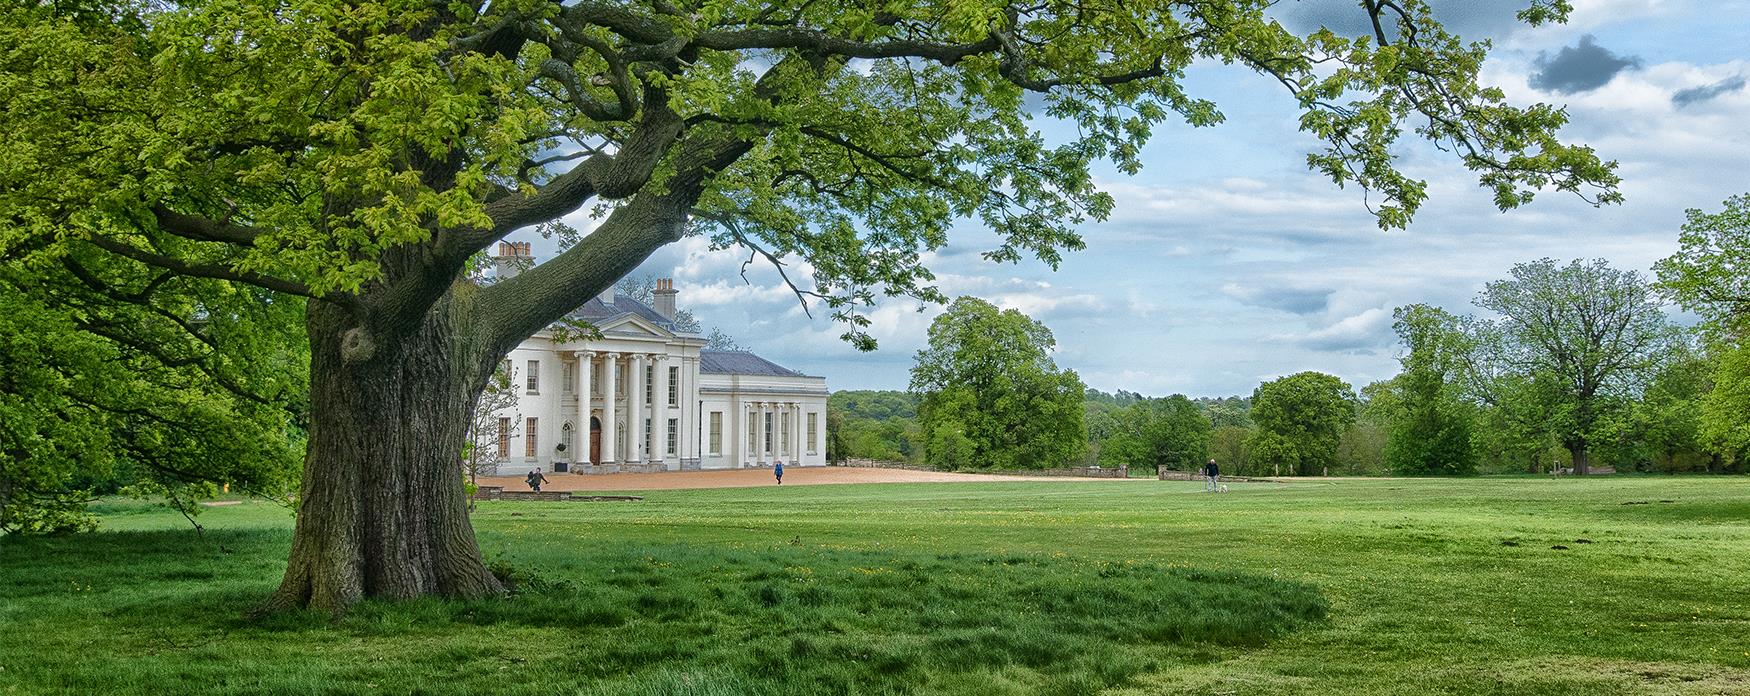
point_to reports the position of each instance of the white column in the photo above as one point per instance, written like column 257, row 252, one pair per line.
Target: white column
column 796, row 434
column 779, row 415
column 748, row 454
column 735, row 439
column 635, row 413
column 659, row 413
column 585, row 375
column 611, row 378
column 690, row 432
column 759, row 442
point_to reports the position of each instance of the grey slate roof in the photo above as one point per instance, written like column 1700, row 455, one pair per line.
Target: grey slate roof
column 595, row 310
column 725, row 362
column 737, row 362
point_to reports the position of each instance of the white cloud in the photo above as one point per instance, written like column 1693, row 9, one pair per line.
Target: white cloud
column 1226, row 262
column 1368, row 329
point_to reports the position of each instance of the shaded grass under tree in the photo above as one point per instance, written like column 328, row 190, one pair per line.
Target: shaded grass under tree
column 778, row 618
column 1135, row 588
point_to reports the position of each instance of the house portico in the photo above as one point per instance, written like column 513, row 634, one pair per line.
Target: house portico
column 641, row 395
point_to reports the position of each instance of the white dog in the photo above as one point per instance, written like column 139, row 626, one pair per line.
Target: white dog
column 1223, row 488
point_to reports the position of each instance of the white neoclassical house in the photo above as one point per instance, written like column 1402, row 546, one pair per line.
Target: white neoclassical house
column 646, row 396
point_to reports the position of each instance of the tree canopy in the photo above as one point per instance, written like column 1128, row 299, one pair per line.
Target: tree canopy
column 1581, row 337
column 990, row 396
column 348, row 161
column 1710, row 275
column 1301, row 418
column 1171, row 432
column 1429, row 422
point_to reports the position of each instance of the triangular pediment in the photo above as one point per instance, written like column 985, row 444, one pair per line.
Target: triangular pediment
column 634, row 325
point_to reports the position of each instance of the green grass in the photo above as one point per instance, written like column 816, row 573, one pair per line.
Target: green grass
column 1387, row 586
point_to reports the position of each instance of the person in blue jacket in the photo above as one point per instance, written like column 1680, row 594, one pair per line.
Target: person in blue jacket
column 778, row 470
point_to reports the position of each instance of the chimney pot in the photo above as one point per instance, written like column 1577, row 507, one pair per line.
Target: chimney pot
column 512, row 258
column 665, row 298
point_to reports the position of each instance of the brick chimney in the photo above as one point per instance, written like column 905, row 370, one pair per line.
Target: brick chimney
column 665, row 294
column 512, row 258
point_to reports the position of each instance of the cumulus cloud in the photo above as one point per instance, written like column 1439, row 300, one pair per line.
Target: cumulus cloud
column 1369, row 329
column 1226, row 264
column 1296, row 300
column 1694, row 95
column 1582, row 67
column 1472, row 19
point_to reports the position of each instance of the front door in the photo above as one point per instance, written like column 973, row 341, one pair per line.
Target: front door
column 595, row 440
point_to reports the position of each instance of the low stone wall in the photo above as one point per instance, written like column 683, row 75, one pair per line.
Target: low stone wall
column 1170, row 475
column 499, row 493
column 880, row 464
column 1591, row 471
column 1080, row 471
column 1077, row 471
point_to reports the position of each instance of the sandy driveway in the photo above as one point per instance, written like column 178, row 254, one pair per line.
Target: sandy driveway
column 744, row 478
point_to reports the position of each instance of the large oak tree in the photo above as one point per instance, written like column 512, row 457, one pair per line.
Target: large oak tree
column 1570, row 344
column 353, row 158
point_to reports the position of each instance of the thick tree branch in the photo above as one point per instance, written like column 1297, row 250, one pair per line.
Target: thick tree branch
column 600, row 175
column 201, row 229
column 541, row 295
column 822, row 43
column 207, row 270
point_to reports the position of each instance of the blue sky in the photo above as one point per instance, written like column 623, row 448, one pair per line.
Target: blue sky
column 1227, row 263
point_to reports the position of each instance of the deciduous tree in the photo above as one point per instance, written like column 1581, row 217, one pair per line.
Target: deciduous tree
column 1430, row 424
column 990, row 396
column 1301, row 420
column 351, row 158
column 1710, row 275
column 1170, row 432
column 1585, row 335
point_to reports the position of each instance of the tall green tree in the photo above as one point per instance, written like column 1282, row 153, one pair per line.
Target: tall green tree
column 1513, row 430
column 1228, row 445
column 1301, row 420
column 352, row 159
column 1585, row 335
column 1661, row 429
column 990, row 396
column 1710, row 275
column 1172, row 432
column 1430, row 426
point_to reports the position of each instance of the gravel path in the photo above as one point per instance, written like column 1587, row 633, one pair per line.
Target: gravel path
column 745, row 478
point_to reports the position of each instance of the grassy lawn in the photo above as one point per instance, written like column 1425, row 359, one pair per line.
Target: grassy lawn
column 1377, row 586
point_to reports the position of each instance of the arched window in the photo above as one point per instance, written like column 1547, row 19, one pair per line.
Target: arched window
column 565, row 441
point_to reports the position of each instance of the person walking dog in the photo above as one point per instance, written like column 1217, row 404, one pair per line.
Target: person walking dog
column 1212, row 476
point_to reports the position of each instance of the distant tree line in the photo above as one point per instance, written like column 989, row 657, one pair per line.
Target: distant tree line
column 1565, row 366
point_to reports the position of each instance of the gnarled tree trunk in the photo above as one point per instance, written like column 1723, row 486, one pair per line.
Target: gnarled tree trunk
column 1582, row 459
column 383, row 513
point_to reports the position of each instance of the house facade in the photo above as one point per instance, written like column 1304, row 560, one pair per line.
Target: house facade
column 645, row 395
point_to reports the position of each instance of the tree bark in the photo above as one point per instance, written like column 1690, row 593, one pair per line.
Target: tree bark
column 383, row 512
column 1581, row 458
